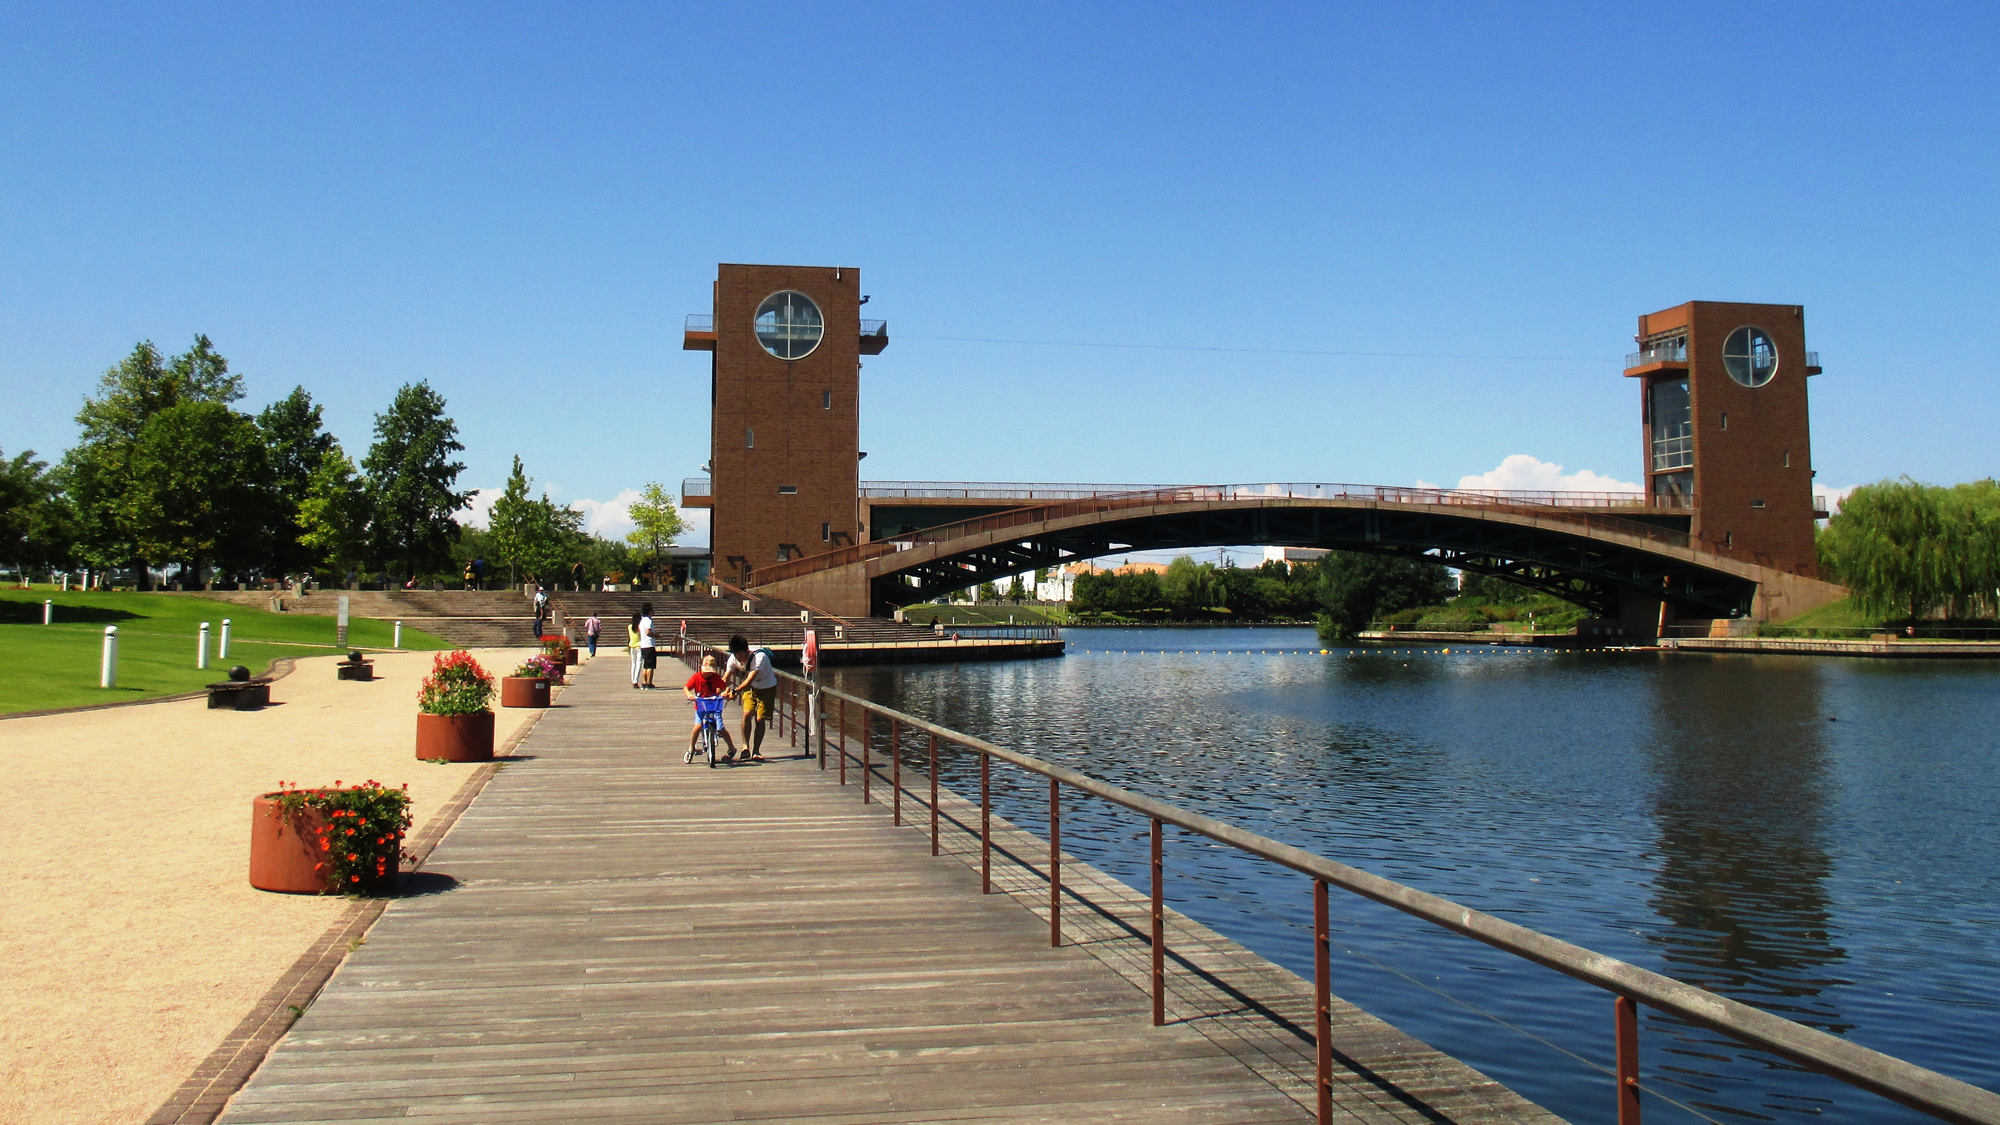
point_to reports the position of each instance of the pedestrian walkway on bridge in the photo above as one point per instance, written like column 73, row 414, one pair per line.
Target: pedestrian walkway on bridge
column 613, row 936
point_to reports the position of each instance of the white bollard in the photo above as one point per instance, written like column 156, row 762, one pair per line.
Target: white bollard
column 65, row 583
column 201, row 648
column 108, row 675
column 398, row 642
column 48, row 610
column 222, row 646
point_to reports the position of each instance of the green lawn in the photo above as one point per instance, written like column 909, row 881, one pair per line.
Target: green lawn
column 57, row 665
column 1834, row 615
column 987, row 614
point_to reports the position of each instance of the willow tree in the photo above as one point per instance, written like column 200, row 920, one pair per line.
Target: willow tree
column 1910, row 550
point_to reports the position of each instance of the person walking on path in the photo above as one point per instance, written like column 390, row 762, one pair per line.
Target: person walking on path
column 632, row 646
column 591, row 627
column 649, row 657
column 541, row 609
column 753, row 680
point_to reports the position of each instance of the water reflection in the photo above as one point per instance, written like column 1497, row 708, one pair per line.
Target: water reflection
column 1743, row 775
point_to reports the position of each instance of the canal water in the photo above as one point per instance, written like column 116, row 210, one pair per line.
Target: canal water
column 1814, row 836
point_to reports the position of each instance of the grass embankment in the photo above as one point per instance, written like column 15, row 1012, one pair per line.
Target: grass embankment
column 988, row 614
column 56, row 665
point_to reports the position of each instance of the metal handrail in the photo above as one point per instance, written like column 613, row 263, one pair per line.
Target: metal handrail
column 697, row 486
column 700, row 322
column 874, row 328
column 1547, row 505
column 1898, row 1080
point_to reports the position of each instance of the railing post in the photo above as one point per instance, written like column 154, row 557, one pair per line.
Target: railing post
column 1322, row 1004
column 934, row 808
column 985, row 816
column 1159, row 931
column 1625, row 1023
column 867, row 760
column 1055, row 863
column 896, row 770
column 816, row 716
column 843, row 742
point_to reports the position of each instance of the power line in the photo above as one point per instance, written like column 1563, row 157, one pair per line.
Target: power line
column 1251, row 351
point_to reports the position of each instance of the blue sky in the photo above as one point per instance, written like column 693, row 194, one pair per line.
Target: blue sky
column 1385, row 244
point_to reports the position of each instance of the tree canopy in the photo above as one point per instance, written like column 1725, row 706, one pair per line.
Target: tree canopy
column 535, row 538
column 1909, row 550
column 413, row 483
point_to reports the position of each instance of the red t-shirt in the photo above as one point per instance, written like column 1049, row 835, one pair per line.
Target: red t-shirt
column 706, row 683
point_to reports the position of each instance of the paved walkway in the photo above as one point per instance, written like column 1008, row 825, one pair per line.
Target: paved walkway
column 613, row 936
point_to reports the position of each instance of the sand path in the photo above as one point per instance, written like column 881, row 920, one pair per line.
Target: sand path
column 131, row 940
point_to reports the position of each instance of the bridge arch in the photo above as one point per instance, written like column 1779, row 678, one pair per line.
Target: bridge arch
column 1615, row 564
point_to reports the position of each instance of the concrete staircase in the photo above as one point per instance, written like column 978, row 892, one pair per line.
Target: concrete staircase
column 472, row 618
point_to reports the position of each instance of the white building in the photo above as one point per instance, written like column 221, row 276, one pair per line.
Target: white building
column 1291, row 555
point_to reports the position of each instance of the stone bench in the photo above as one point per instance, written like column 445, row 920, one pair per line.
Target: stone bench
column 239, row 695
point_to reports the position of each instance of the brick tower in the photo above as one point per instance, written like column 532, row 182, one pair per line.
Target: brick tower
column 785, row 440
column 1723, row 402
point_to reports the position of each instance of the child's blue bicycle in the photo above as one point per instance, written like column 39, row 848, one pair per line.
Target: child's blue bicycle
column 708, row 711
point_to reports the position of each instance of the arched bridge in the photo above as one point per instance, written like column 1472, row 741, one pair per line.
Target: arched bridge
column 1609, row 552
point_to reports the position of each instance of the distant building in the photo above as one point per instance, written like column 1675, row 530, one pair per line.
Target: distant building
column 1291, row 556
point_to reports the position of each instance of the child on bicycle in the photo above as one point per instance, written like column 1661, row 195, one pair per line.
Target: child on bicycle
column 706, row 684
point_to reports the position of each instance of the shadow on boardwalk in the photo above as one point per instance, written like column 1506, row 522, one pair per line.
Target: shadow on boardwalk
column 613, row 936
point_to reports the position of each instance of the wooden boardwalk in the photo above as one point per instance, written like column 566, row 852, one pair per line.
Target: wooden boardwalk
column 609, row 935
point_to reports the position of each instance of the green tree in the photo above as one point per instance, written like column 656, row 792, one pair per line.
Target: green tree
column 413, row 483
column 1355, row 589
column 195, row 495
column 536, row 539
column 332, row 517
column 1911, row 550
column 36, row 529
column 98, row 473
column 656, row 522
column 1016, row 590
column 1189, row 587
column 295, row 445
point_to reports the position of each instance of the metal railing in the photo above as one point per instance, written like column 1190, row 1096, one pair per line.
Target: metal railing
column 874, row 328
column 1925, row 1090
column 994, row 490
column 697, row 486
column 700, row 322
column 1568, row 507
column 1812, row 359
column 1005, row 632
column 1677, row 352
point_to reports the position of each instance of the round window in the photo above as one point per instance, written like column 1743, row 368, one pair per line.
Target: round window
column 1750, row 357
column 789, row 325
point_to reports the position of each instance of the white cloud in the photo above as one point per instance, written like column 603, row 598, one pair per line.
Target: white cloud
column 610, row 518
column 479, row 507
column 1521, row 472
column 1835, row 497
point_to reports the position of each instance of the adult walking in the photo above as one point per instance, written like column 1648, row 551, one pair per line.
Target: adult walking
column 649, row 657
column 632, row 647
column 541, row 608
column 591, row 627
column 755, row 682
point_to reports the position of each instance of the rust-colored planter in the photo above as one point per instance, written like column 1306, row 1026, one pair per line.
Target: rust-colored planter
column 456, row 738
column 524, row 691
column 569, row 657
column 285, row 853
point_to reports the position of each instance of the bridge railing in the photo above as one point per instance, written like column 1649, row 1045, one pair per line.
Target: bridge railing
column 1591, row 510
column 1630, row 986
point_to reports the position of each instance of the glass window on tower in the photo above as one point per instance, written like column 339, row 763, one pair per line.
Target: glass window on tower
column 1673, row 490
column 1673, row 425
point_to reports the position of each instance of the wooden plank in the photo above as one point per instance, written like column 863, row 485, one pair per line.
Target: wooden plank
column 634, row 939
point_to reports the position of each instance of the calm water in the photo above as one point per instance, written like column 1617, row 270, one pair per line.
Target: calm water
column 1812, row 836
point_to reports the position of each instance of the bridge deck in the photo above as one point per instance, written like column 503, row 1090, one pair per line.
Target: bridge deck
column 613, row 936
